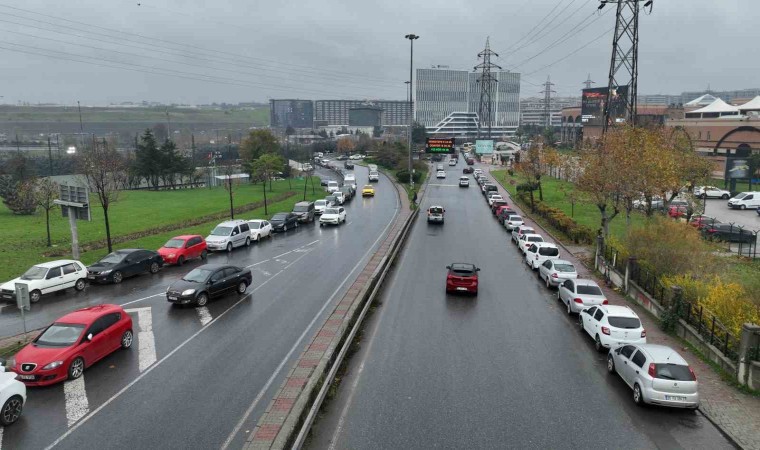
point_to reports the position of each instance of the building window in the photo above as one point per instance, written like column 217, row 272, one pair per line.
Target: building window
column 708, row 136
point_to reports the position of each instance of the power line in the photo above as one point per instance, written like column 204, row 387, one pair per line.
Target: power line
column 519, row 41
column 538, row 38
column 574, row 52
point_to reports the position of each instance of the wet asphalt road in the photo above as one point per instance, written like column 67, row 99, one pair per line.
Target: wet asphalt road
column 505, row 369
column 215, row 371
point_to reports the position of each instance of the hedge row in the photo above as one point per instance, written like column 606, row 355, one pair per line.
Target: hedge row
column 579, row 234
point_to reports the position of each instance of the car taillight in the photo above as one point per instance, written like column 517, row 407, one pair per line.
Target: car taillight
column 606, row 331
column 693, row 375
column 554, row 275
column 651, row 369
column 577, row 300
column 643, row 333
column 605, row 302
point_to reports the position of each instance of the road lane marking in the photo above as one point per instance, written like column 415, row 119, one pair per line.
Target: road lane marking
column 1, row 437
column 162, row 360
column 204, row 315
column 264, row 272
column 146, row 341
column 281, row 261
column 298, row 343
column 140, row 299
column 256, row 264
column 77, row 405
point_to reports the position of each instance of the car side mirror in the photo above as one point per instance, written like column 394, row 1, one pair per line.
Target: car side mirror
column 448, row 267
column 477, row 270
column 89, row 337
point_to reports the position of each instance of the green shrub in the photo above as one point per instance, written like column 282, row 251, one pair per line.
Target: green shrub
column 403, row 176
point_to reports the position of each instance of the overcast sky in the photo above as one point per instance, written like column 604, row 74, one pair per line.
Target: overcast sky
column 198, row 51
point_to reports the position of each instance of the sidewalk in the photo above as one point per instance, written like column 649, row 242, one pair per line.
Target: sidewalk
column 737, row 414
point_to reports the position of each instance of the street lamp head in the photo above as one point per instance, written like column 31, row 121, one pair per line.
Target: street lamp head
column 411, row 36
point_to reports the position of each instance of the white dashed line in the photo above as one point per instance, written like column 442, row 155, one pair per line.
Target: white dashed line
column 76, row 400
column 256, row 264
column 281, row 261
column 204, row 315
column 141, row 299
column 145, row 339
column 264, row 272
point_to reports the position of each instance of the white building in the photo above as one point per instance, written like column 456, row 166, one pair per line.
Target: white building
column 533, row 111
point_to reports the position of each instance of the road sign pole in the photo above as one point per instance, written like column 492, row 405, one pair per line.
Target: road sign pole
column 22, row 300
column 74, row 233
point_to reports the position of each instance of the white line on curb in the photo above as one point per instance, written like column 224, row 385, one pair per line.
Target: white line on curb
column 145, row 338
column 76, row 400
column 204, row 315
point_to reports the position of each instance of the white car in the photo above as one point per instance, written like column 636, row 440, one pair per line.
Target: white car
column 519, row 231
column 440, row 174
column 555, row 271
column 612, row 326
column 374, row 175
column 513, row 221
column 527, row 239
column 477, row 172
column 657, row 374
column 493, row 198
column 332, row 186
column 464, row 181
column 711, row 192
column 47, row 277
column 260, row 229
column 333, row 216
column 321, row 205
column 536, row 254
column 452, row 162
column 340, row 196
column 580, row 294
column 12, row 397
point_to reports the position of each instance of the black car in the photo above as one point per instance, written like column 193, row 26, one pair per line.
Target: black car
column 467, row 169
column 348, row 165
column 116, row 266
column 341, row 158
column 208, row 281
column 348, row 191
column 488, row 188
column 324, row 181
column 284, row 221
column 728, row 233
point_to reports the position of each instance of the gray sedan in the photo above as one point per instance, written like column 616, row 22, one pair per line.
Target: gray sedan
column 580, row 294
column 556, row 271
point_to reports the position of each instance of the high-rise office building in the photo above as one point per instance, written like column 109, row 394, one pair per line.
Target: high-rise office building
column 533, row 110
column 439, row 93
column 336, row 112
column 291, row 113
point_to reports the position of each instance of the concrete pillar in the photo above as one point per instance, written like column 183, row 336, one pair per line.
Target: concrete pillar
column 629, row 272
column 750, row 340
column 599, row 250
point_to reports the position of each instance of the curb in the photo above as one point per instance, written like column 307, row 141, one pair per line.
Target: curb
column 288, row 417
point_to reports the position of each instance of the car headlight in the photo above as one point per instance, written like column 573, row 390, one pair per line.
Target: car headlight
column 188, row 292
column 53, row 365
column 105, row 272
column 172, row 255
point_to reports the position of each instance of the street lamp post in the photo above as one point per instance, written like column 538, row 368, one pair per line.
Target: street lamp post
column 411, row 38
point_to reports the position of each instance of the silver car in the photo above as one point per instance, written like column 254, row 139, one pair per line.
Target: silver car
column 513, row 221
column 657, row 374
column 580, row 294
column 556, row 271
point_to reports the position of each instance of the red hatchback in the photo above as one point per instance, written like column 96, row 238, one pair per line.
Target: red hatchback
column 462, row 277
column 181, row 248
column 72, row 343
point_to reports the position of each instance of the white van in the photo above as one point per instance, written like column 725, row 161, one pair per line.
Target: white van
column 228, row 235
column 374, row 175
column 350, row 180
column 745, row 200
column 372, row 167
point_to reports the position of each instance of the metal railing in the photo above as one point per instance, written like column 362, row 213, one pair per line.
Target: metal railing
column 734, row 237
column 710, row 328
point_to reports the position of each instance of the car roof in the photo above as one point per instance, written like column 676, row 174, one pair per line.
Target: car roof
column 527, row 235
column 232, row 222
column 86, row 315
column 189, row 236
column 544, row 244
column 662, row 354
column 585, row 282
column 563, row 261
column 56, row 263
column 460, row 265
column 618, row 311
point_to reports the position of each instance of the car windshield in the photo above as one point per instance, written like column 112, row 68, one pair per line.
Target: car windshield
column 34, row 273
column 331, row 211
column 740, row 196
column 198, row 275
column 564, row 268
column 174, row 243
column 221, row 231
column 462, row 271
column 332, row 183
column 436, row 210
column 301, row 208
column 676, row 372
column 279, row 216
column 112, row 258
column 588, row 289
column 60, row 335
column 527, row 230
column 515, row 219
column 630, row 323
column 320, row 203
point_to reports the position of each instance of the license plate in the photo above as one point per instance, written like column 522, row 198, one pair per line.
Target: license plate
column 90, row 277
column 26, row 377
column 173, row 299
column 676, row 398
column 461, row 289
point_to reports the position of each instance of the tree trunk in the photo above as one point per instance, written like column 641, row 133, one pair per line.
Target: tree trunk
column 108, row 229
column 270, row 183
column 47, row 225
column 232, row 209
column 540, row 191
column 532, row 206
column 264, row 185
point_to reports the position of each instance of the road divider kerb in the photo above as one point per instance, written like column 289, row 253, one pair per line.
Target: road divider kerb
column 290, row 414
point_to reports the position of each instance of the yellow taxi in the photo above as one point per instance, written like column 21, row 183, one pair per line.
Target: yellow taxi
column 368, row 190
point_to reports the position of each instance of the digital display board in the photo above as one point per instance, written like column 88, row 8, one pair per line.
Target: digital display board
column 592, row 105
column 440, row 145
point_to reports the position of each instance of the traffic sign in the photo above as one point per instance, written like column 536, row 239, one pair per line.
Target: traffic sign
column 22, row 296
column 440, row 145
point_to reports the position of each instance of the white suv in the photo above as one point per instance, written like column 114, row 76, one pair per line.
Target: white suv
column 228, row 235
column 536, row 254
column 612, row 326
column 46, row 278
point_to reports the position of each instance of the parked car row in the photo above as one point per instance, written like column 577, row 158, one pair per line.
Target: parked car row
column 656, row 374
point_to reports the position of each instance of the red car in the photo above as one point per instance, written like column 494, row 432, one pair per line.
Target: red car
column 700, row 222
column 500, row 211
column 677, row 212
column 179, row 249
column 470, row 161
column 72, row 343
column 462, row 277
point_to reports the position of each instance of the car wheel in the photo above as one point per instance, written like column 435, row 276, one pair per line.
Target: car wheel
column 154, row 267
column 284, row 228
column 610, row 364
column 580, row 322
column 569, row 309
column 126, row 339
column 117, row 277
column 181, row 259
column 257, row 238
column 638, row 398
column 242, row 286
column 202, row 299
column 11, row 410
column 548, row 285
column 204, row 255
column 76, row 368
column 35, row 296
column 80, row 284
column 724, row 196
column 247, row 242
column 229, row 247
column 598, row 344
column 743, row 207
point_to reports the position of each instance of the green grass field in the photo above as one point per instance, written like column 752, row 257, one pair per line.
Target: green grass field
column 23, row 241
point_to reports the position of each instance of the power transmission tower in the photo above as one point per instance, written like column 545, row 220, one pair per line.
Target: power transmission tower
column 624, row 65
column 548, row 91
column 487, row 87
column 588, row 82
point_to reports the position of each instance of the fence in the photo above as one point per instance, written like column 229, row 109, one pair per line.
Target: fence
column 735, row 238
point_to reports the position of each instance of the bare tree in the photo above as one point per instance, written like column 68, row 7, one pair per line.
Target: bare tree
column 105, row 170
column 46, row 191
